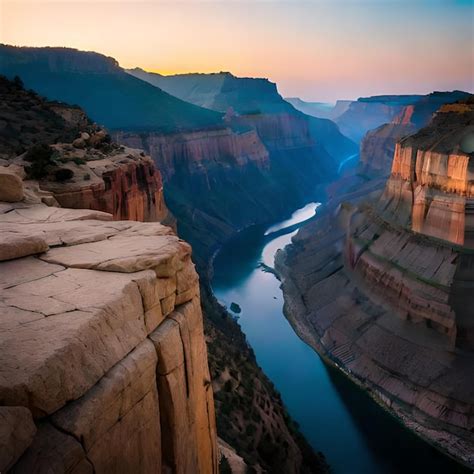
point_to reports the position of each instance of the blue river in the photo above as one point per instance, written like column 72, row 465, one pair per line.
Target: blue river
column 337, row 417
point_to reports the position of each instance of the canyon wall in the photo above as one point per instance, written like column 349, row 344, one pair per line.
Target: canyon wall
column 219, row 181
column 383, row 288
column 104, row 364
column 378, row 145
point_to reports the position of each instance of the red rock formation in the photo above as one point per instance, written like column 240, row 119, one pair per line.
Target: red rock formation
column 378, row 145
column 194, row 151
column 435, row 190
column 281, row 130
column 126, row 185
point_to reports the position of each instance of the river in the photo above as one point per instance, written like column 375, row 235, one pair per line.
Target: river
column 337, row 417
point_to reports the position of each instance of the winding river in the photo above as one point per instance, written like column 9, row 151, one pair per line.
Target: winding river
column 337, row 417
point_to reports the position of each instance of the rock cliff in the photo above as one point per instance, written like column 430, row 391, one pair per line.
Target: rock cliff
column 367, row 113
column 102, row 348
column 384, row 289
column 104, row 363
column 378, row 145
column 256, row 102
column 73, row 162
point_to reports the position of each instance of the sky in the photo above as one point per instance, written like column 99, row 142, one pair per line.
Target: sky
column 319, row 50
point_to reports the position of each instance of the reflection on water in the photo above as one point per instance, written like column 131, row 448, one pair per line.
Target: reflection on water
column 297, row 217
column 337, row 417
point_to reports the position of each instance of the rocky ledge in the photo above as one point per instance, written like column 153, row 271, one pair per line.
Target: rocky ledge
column 103, row 363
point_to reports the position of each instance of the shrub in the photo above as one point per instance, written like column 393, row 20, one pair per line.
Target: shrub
column 63, row 174
column 79, row 161
column 41, row 158
column 87, row 177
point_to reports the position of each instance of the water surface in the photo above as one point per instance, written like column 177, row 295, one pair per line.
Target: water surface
column 337, row 418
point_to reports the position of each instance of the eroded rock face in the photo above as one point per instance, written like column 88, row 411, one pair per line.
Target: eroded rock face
column 377, row 301
column 69, row 161
column 378, row 145
column 385, row 289
column 196, row 152
column 102, row 340
column 123, row 182
column 431, row 185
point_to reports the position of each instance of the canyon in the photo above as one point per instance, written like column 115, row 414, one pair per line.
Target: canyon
column 381, row 290
column 381, row 283
column 242, row 158
column 107, row 314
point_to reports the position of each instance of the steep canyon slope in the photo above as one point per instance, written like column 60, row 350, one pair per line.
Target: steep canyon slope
column 383, row 288
column 119, row 276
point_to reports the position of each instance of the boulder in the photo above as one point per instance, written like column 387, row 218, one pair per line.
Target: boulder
column 11, row 186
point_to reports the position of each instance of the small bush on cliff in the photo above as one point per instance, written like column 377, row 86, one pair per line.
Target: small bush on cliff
column 79, row 161
column 41, row 157
column 63, row 174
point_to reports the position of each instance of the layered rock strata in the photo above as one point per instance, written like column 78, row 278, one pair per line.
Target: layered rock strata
column 104, row 363
column 431, row 186
column 385, row 290
column 378, row 145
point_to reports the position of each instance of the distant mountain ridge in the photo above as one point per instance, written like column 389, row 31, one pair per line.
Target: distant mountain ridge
column 368, row 113
column 219, row 91
column 102, row 88
column 320, row 109
column 257, row 100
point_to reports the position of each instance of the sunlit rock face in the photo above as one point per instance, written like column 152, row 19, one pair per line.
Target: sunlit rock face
column 368, row 113
column 103, row 346
column 384, row 288
column 378, row 145
column 431, row 184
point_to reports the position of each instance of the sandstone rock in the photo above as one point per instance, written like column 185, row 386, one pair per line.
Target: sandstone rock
column 79, row 143
column 123, row 403
column 54, row 452
column 16, row 245
column 75, row 351
column 11, row 186
column 123, row 183
column 97, row 138
column 387, row 295
column 17, row 431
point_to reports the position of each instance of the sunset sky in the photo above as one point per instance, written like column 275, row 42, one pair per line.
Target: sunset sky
column 317, row 50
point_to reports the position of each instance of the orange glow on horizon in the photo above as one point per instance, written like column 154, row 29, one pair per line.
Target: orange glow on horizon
column 318, row 51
